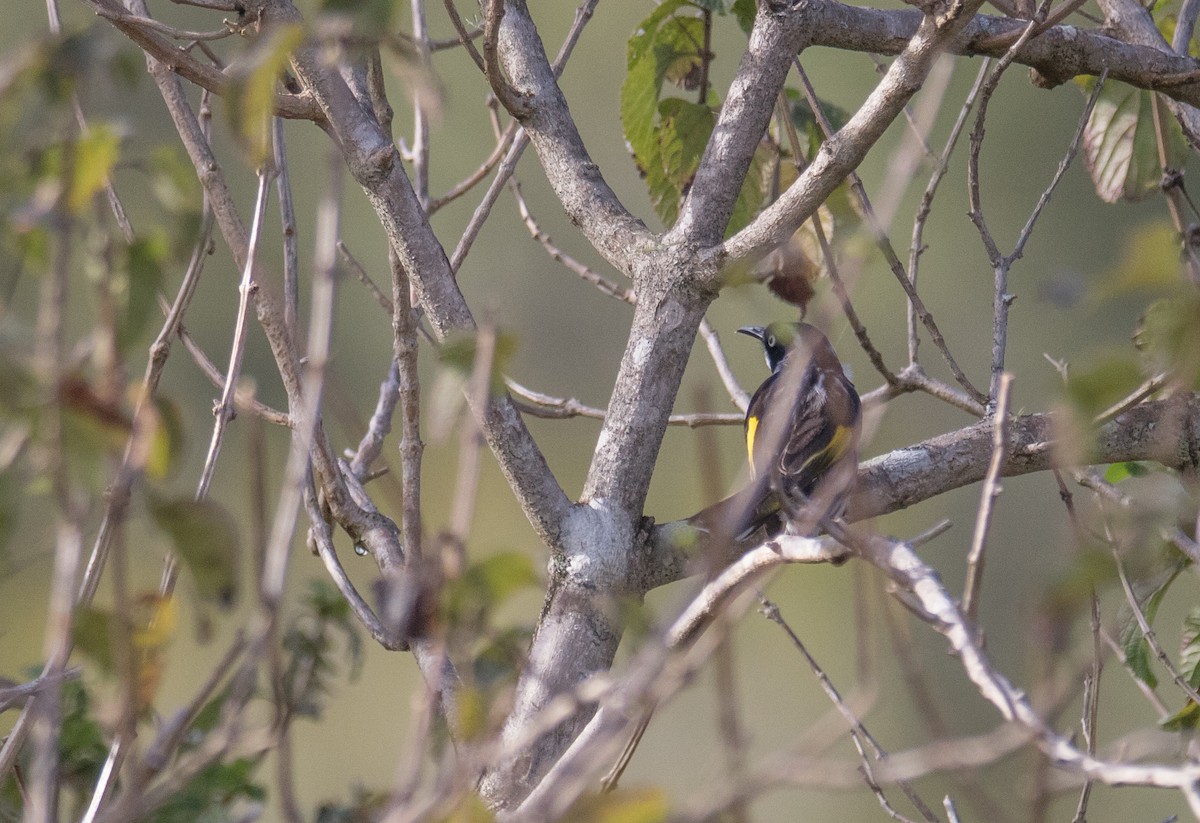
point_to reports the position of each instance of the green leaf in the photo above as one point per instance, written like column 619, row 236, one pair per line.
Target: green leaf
column 1189, row 648
column 146, row 257
column 252, row 103
column 1184, row 720
column 486, row 584
column 1149, row 593
column 370, row 17
column 93, row 635
column 211, row 794
column 1095, row 389
column 1168, row 336
column 166, row 445
column 95, row 155
column 205, row 537
column 1120, row 471
column 621, row 806
column 678, row 50
column 646, row 67
column 457, row 353
column 744, row 11
column 1150, row 260
column 1120, row 144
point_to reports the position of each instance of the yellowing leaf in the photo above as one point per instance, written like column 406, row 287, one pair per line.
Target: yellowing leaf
column 205, row 538
column 634, row 806
column 253, row 102
column 1120, row 143
column 95, row 155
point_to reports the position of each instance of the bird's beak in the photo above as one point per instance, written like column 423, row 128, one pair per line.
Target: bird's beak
column 757, row 332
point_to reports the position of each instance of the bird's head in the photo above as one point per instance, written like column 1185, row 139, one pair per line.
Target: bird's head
column 779, row 339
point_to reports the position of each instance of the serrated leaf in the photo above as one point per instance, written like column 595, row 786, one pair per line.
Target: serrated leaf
column 643, row 38
column 1149, row 593
column 205, row 537
column 95, row 155
column 678, row 49
column 645, row 69
column 1120, row 144
column 1189, row 648
column 639, row 104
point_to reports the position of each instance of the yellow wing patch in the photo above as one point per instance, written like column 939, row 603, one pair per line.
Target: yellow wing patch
column 751, row 430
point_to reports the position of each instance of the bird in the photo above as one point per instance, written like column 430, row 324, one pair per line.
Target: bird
column 802, row 429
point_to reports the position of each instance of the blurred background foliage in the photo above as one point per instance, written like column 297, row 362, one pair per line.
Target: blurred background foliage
column 1092, row 271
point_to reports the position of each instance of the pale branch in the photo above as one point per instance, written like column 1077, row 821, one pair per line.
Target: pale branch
column 1057, row 54
column 649, row 676
column 162, row 48
column 589, row 201
column 1158, row 430
column 910, row 574
column 842, row 153
column 1133, row 23
column 745, row 113
column 375, row 163
column 408, row 388
column 558, row 408
column 987, row 502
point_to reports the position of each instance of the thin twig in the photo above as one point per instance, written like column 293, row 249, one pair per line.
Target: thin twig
column 1001, row 447
column 857, row 729
column 839, row 287
column 556, row 408
column 224, row 410
column 1148, row 632
column 889, row 252
column 287, row 220
column 1091, row 706
column 917, row 247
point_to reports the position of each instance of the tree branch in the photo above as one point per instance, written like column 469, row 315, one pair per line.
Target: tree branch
column 589, row 201
column 1159, row 431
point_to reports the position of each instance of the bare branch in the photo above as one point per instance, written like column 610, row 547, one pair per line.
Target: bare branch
column 987, row 501
column 161, row 48
column 1156, row 430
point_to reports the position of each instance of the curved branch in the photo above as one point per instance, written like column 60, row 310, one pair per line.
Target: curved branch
column 589, row 201
column 775, row 39
column 840, row 154
column 142, row 31
column 1163, row 430
column 373, row 159
column 1057, row 54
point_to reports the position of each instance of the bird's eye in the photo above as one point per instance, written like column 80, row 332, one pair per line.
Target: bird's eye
column 771, row 342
